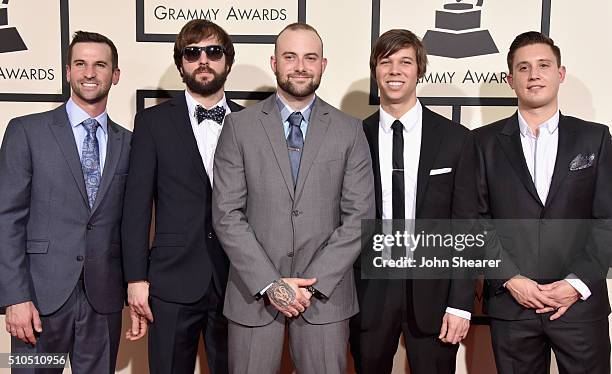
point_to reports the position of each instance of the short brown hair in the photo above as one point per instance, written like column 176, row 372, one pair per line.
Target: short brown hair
column 529, row 38
column 296, row 26
column 198, row 29
column 392, row 41
column 93, row 37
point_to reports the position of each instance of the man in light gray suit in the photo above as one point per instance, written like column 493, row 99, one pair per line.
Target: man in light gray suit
column 62, row 179
column 293, row 180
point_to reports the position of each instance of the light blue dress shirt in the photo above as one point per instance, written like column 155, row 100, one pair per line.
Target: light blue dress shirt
column 286, row 110
column 76, row 116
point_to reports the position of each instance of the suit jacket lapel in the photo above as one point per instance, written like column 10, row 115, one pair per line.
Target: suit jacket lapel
column 315, row 136
column 273, row 126
column 182, row 123
column 430, row 145
column 113, row 153
column 510, row 141
column 234, row 107
column 61, row 129
column 370, row 127
column 565, row 152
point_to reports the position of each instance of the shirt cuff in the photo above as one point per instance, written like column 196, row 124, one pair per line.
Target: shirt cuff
column 579, row 285
column 459, row 313
column 263, row 292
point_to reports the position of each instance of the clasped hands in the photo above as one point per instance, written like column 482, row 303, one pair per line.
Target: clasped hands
column 290, row 296
column 558, row 296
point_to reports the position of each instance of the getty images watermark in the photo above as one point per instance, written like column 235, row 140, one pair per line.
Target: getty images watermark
column 495, row 248
column 409, row 242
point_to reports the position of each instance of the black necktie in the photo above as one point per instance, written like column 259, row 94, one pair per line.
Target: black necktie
column 398, row 195
column 216, row 114
column 295, row 143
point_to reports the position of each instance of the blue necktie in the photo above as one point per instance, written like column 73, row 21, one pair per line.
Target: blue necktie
column 295, row 144
column 90, row 160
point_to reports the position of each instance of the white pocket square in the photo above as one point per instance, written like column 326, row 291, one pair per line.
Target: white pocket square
column 440, row 171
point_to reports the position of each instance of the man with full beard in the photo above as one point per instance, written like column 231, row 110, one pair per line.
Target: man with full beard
column 178, row 285
column 293, row 180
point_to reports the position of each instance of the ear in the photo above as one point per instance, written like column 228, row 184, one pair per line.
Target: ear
column 68, row 73
column 116, row 75
column 562, row 73
column 273, row 64
column 510, row 81
column 323, row 65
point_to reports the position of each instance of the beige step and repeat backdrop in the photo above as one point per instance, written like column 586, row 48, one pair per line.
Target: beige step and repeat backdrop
column 467, row 82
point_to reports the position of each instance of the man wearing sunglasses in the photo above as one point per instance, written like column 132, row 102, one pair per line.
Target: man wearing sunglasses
column 178, row 285
column 293, row 180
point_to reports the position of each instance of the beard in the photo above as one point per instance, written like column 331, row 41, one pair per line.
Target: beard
column 284, row 82
column 205, row 88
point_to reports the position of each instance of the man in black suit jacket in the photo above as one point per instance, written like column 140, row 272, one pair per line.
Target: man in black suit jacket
column 436, row 175
column 536, row 167
column 184, row 274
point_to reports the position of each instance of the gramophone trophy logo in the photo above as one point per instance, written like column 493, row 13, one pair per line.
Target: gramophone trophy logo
column 458, row 32
column 10, row 40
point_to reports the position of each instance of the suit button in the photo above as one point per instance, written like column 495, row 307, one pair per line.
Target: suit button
column 79, row 258
column 89, row 226
column 290, row 254
column 296, row 213
column 210, row 235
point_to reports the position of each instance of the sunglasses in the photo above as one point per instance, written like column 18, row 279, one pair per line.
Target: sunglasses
column 213, row 53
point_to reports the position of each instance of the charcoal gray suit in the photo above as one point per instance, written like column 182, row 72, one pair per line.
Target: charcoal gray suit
column 57, row 251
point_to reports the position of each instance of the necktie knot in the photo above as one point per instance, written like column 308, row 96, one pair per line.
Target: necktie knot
column 397, row 126
column 215, row 114
column 295, row 119
column 91, row 125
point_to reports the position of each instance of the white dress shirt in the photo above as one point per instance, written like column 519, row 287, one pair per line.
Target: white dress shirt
column 413, row 130
column 540, row 151
column 206, row 132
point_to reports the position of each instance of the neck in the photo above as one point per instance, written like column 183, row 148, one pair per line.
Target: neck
column 536, row 116
column 207, row 101
column 296, row 103
column 93, row 109
column 397, row 110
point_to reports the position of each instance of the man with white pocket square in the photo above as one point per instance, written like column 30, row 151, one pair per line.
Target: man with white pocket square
column 540, row 168
column 424, row 168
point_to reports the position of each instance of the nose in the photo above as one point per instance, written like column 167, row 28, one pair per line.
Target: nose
column 394, row 69
column 203, row 58
column 90, row 71
column 299, row 66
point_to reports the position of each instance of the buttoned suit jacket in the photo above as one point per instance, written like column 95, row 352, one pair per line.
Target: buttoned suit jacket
column 48, row 233
column 270, row 229
column 538, row 244
column 166, row 169
column 452, row 195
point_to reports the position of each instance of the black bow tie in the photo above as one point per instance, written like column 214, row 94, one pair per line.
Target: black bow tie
column 216, row 114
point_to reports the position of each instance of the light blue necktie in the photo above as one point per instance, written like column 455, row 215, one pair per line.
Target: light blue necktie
column 295, row 144
column 90, row 160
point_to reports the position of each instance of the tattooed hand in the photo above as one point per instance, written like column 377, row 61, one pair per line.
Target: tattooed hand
column 286, row 296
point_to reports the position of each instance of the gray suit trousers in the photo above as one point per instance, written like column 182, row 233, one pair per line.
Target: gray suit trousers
column 315, row 349
column 90, row 338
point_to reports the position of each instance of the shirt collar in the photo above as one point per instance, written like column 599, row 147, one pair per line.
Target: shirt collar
column 76, row 115
column 285, row 110
column 550, row 124
column 410, row 119
column 193, row 103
